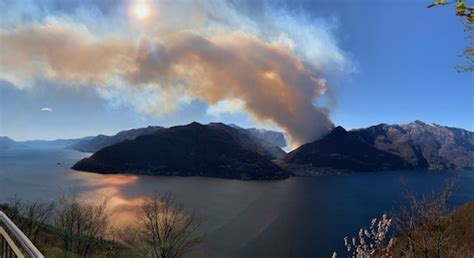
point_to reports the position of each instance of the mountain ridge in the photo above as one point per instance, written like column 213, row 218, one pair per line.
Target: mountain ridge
column 418, row 144
column 213, row 150
column 272, row 139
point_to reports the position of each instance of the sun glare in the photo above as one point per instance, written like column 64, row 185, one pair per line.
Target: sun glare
column 142, row 10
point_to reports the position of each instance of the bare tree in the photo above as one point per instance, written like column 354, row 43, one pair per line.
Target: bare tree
column 30, row 216
column 423, row 226
column 82, row 226
column 166, row 230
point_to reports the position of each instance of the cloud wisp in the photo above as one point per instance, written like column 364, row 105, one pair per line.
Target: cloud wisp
column 272, row 76
column 47, row 109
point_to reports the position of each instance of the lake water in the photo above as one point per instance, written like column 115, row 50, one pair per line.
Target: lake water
column 297, row 217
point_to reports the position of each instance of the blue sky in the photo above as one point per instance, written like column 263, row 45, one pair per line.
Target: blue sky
column 372, row 62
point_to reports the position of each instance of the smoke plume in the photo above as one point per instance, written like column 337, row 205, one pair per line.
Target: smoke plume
column 274, row 79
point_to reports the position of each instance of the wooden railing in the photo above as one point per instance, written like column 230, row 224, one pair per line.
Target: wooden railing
column 13, row 243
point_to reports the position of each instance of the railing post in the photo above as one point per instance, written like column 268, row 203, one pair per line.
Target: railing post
column 15, row 233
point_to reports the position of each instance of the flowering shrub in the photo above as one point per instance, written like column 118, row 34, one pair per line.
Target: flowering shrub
column 423, row 228
column 372, row 241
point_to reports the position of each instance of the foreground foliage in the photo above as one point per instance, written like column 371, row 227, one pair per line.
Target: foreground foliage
column 72, row 228
column 466, row 13
column 422, row 228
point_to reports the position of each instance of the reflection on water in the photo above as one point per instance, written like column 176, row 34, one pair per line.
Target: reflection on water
column 298, row 217
column 122, row 208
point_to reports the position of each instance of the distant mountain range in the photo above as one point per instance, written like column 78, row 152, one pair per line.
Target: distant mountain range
column 272, row 137
column 416, row 145
column 213, row 150
column 7, row 143
column 101, row 141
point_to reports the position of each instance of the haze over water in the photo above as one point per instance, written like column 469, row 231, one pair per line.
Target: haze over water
column 297, row 217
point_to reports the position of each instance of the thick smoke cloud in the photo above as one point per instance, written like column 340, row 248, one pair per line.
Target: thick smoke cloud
column 274, row 80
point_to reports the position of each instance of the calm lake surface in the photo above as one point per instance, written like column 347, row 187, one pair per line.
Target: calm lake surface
column 297, row 217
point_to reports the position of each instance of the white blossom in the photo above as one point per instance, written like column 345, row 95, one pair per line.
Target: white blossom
column 371, row 242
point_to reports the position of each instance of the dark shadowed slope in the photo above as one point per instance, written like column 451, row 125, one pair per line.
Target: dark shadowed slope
column 101, row 141
column 213, row 150
column 247, row 137
column 342, row 150
column 252, row 142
